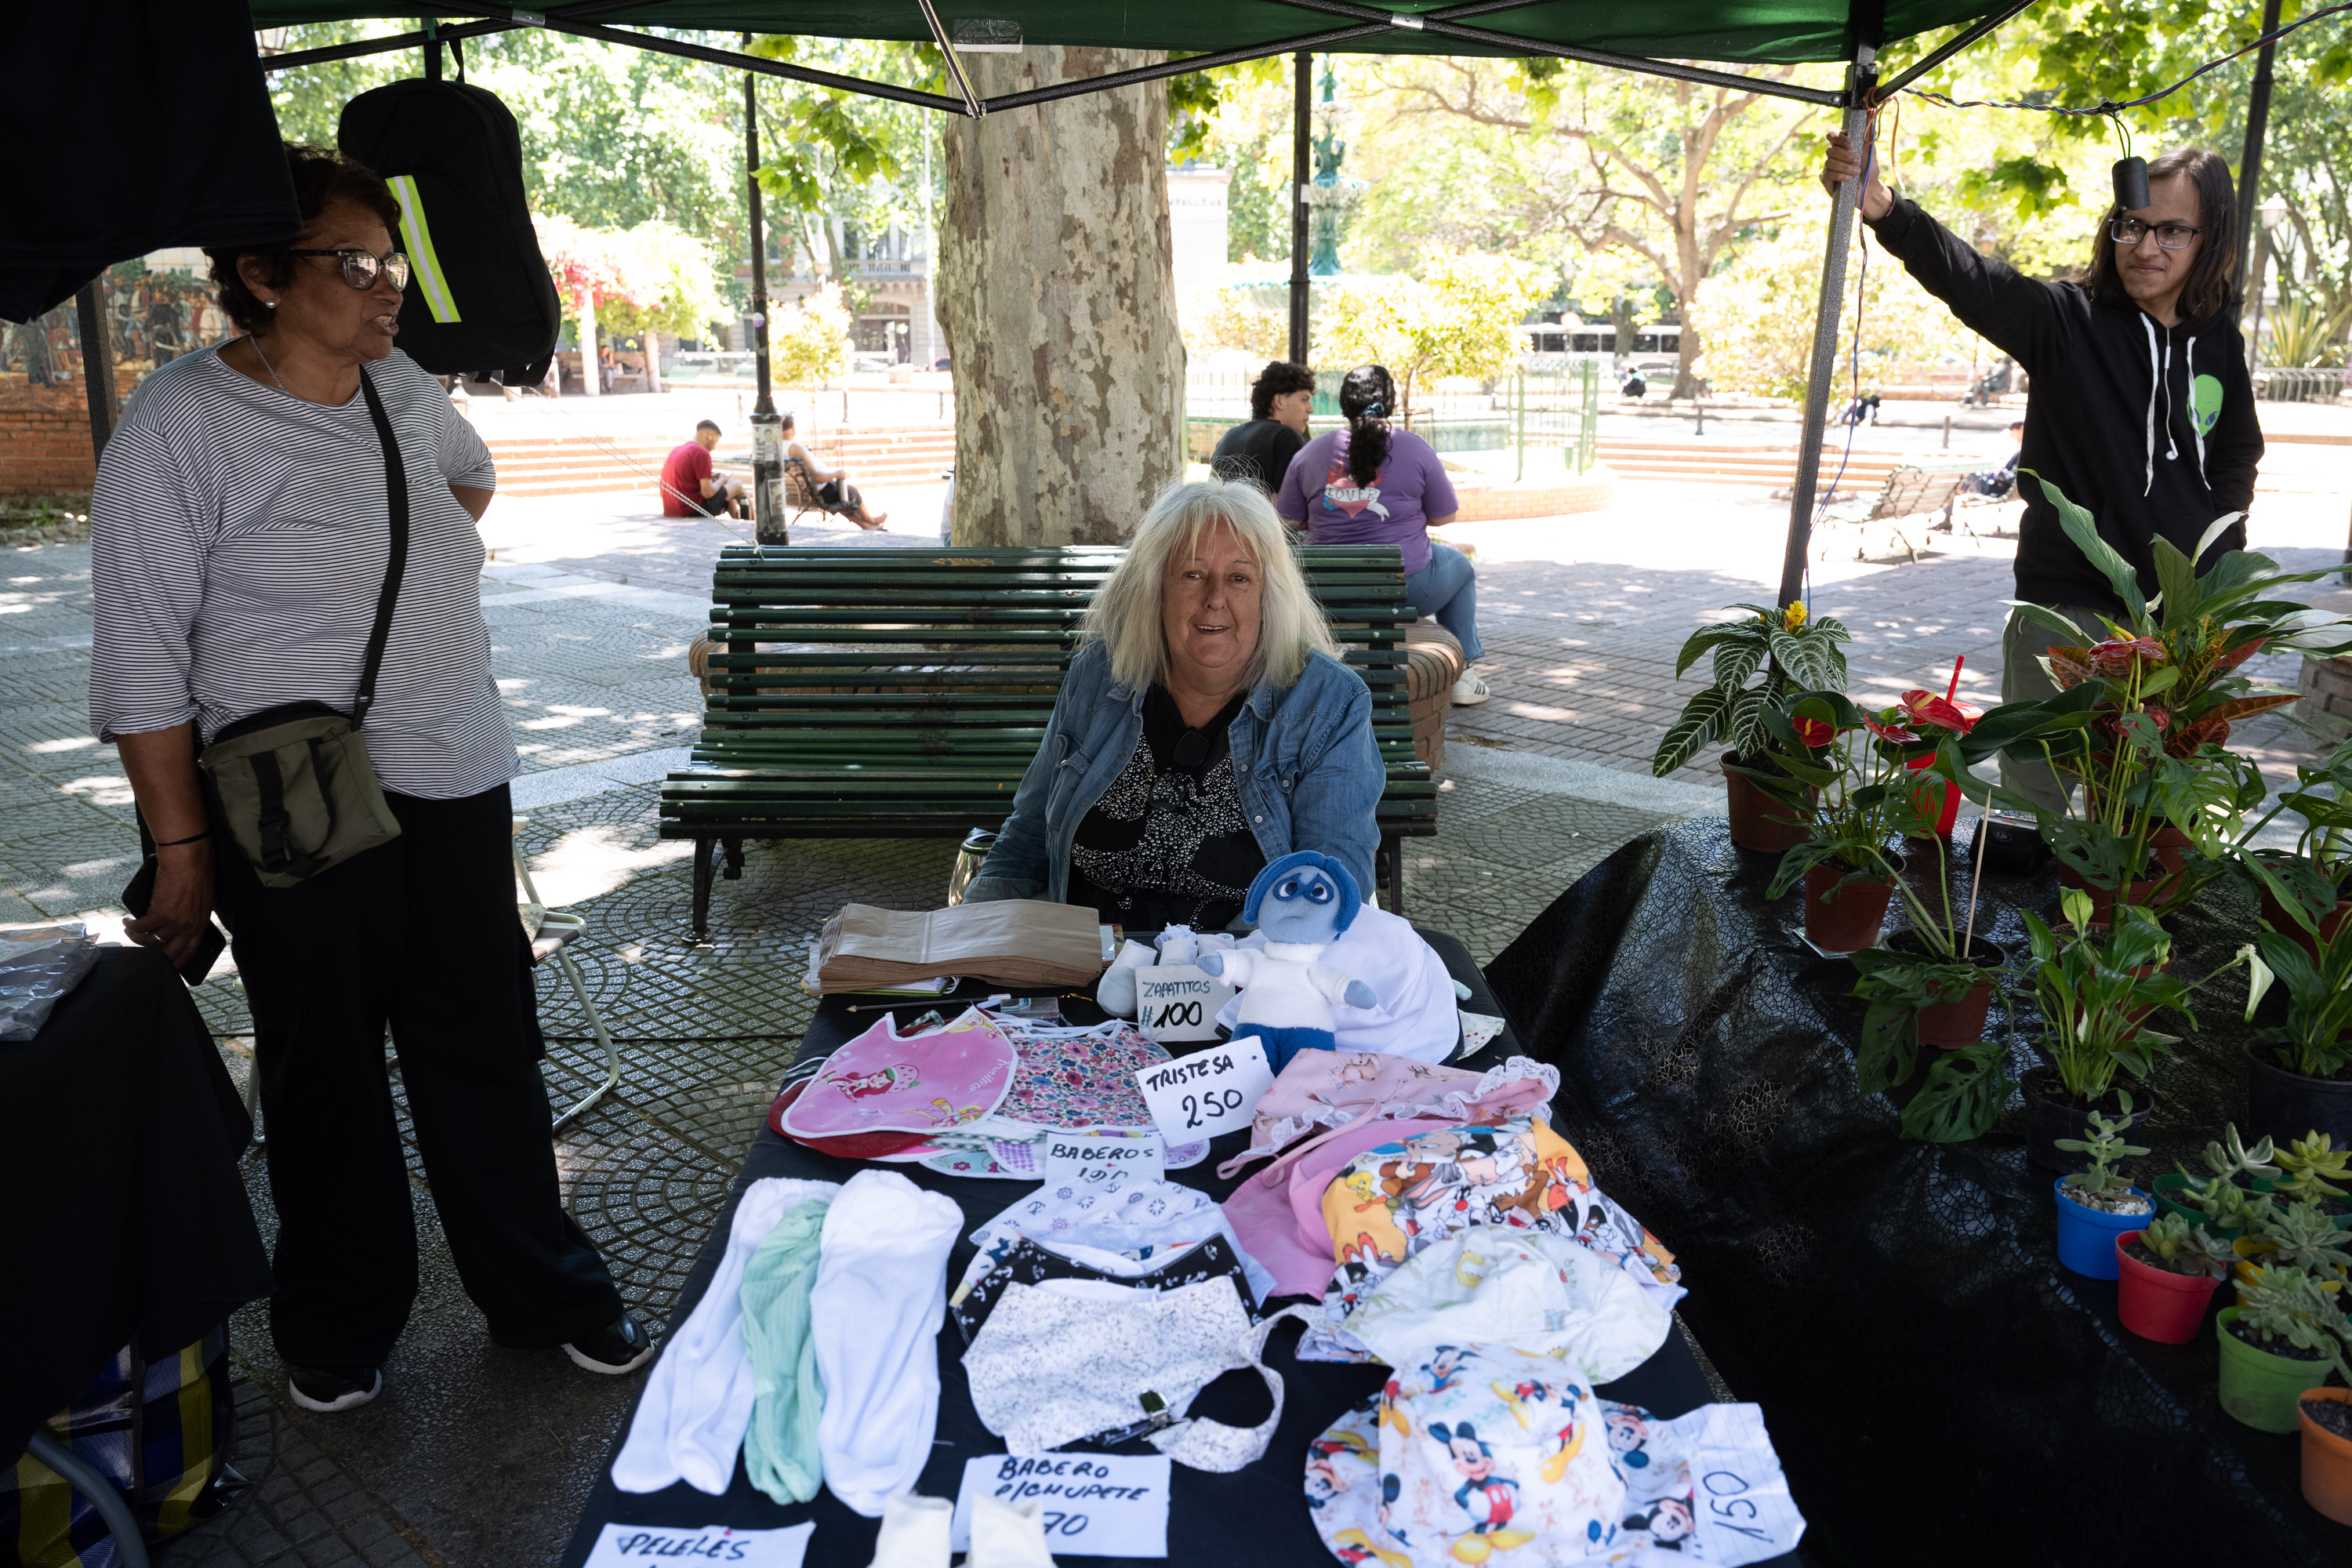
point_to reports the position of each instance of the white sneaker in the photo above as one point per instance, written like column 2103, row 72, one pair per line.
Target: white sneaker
column 1007, row 1535
column 914, row 1532
column 1469, row 691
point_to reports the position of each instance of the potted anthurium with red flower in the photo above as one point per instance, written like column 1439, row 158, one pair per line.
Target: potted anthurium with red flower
column 2161, row 797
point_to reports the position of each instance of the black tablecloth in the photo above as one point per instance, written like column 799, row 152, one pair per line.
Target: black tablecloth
column 120, row 1133
column 1938, row 1388
column 1254, row 1517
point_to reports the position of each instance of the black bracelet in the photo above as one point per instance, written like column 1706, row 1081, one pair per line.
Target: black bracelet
column 191, row 838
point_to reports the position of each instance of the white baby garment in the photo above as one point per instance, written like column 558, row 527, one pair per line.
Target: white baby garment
column 697, row 1399
column 874, row 1313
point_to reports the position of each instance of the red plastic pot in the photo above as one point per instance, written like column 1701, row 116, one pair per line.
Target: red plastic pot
column 1757, row 821
column 1849, row 922
column 2156, row 1303
column 1930, row 790
column 2287, row 926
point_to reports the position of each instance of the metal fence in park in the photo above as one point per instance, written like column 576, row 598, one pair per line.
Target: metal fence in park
column 1549, row 409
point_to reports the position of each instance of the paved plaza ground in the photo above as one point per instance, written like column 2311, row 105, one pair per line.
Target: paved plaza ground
column 477, row 1455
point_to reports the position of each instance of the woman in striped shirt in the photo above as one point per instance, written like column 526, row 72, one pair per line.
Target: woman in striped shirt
column 240, row 533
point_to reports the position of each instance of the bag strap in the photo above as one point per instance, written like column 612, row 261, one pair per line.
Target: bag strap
column 395, row 484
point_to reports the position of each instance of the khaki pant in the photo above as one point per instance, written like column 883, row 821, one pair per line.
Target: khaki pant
column 2022, row 679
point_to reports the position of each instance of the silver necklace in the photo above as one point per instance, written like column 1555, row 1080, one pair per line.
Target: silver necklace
column 265, row 361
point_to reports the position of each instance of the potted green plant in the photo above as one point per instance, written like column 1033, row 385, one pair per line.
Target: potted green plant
column 2304, row 890
column 2299, row 1072
column 2095, row 997
column 2168, row 1272
column 2223, row 1202
column 2295, row 1236
column 2157, row 784
column 2312, row 1167
column 2095, row 1204
column 2284, row 1335
column 1757, row 661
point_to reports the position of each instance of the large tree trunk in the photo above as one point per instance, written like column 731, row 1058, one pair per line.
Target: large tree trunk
column 1058, row 298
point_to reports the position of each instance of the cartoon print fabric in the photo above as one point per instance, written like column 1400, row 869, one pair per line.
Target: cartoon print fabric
column 1392, row 1202
column 1340, row 1088
column 885, row 1082
column 1490, row 1456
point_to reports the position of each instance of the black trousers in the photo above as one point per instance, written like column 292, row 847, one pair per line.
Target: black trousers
column 420, row 933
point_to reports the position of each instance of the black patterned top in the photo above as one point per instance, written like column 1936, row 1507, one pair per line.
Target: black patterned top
column 1168, row 844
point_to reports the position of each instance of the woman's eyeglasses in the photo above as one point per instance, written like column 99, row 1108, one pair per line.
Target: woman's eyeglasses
column 361, row 270
column 2127, row 232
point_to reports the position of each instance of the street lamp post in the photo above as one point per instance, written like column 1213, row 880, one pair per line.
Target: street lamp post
column 768, row 524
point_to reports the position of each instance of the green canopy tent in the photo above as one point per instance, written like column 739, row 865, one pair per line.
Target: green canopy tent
column 1662, row 38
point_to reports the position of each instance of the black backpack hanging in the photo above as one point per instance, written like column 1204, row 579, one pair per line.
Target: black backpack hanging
column 479, row 299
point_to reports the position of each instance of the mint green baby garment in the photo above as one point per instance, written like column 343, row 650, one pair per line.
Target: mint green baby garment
column 780, row 1449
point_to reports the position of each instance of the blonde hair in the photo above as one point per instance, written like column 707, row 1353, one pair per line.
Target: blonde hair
column 1125, row 612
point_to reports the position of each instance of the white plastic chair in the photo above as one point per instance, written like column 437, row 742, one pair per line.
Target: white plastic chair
column 550, row 932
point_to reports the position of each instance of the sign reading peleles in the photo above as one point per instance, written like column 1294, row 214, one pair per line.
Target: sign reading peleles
column 625, row 1543
column 1092, row 1505
column 1208, row 1092
column 1177, row 1003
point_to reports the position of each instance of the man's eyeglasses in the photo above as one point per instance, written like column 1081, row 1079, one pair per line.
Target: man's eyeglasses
column 2129, row 231
column 359, row 268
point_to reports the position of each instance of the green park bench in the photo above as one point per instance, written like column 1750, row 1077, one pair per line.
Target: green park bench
column 872, row 693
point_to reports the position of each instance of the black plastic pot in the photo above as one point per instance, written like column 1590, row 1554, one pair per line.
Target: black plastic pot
column 2052, row 1114
column 2285, row 1105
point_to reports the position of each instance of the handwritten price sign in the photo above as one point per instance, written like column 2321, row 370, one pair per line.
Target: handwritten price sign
column 1092, row 1505
column 621, row 1544
column 1208, row 1092
column 1103, row 1158
column 1177, row 1003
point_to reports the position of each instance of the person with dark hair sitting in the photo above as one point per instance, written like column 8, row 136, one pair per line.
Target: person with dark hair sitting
column 831, row 487
column 256, row 506
column 1371, row 484
column 691, row 488
column 1260, row 450
column 2000, row 482
column 2141, row 411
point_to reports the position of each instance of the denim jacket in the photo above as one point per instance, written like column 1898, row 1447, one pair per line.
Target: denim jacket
column 1305, row 762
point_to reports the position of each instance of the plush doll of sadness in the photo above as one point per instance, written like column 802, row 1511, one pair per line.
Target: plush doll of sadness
column 1301, row 903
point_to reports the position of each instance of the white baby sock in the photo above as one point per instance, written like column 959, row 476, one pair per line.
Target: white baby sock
column 876, row 1310
column 1007, row 1535
column 698, row 1398
column 914, row 1532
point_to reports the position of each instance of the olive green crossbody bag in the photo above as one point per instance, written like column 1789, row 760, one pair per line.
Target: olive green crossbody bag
column 293, row 785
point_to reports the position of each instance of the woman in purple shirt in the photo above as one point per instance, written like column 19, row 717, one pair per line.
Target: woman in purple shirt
column 1368, row 484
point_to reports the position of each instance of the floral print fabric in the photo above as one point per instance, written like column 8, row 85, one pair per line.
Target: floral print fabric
column 1070, row 1079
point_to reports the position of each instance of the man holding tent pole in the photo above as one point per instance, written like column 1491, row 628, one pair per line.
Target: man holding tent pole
column 2140, row 412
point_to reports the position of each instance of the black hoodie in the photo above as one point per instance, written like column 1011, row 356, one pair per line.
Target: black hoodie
column 2149, row 428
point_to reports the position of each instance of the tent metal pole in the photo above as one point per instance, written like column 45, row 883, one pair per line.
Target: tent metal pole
column 1437, row 24
column 97, row 365
column 1826, row 339
column 1184, row 67
column 768, row 516
column 1302, row 125
column 2250, row 161
column 583, row 10
column 1935, row 58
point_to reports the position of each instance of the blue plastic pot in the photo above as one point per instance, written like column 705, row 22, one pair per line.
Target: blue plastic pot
column 2086, row 1236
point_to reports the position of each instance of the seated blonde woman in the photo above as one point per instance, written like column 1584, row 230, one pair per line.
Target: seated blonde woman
column 1205, row 728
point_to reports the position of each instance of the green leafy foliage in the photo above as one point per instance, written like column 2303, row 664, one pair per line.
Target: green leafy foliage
column 2226, row 1203
column 2316, row 1040
column 1962, row 1097
column 2313, row 1165
column 2299, row 1236
column 2103, row 1150
column 2035, row 189
column 1794, row 652
column 2184, row 1247
column 1899, row 986
column 2300, row 1307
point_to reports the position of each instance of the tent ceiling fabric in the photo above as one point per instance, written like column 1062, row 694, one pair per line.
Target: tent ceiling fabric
column 1737, row 31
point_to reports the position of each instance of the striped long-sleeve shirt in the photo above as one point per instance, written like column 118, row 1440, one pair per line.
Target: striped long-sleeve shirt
column 238, row 539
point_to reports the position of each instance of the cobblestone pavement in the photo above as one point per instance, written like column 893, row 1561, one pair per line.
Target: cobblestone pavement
column 477, row 1455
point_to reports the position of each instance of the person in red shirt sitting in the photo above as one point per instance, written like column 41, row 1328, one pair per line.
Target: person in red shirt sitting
column 690, row 487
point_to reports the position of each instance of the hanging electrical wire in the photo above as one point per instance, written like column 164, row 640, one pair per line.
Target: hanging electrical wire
column 2111, row 107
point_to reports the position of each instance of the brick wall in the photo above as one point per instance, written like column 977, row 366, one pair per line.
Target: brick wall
column 44, row 449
